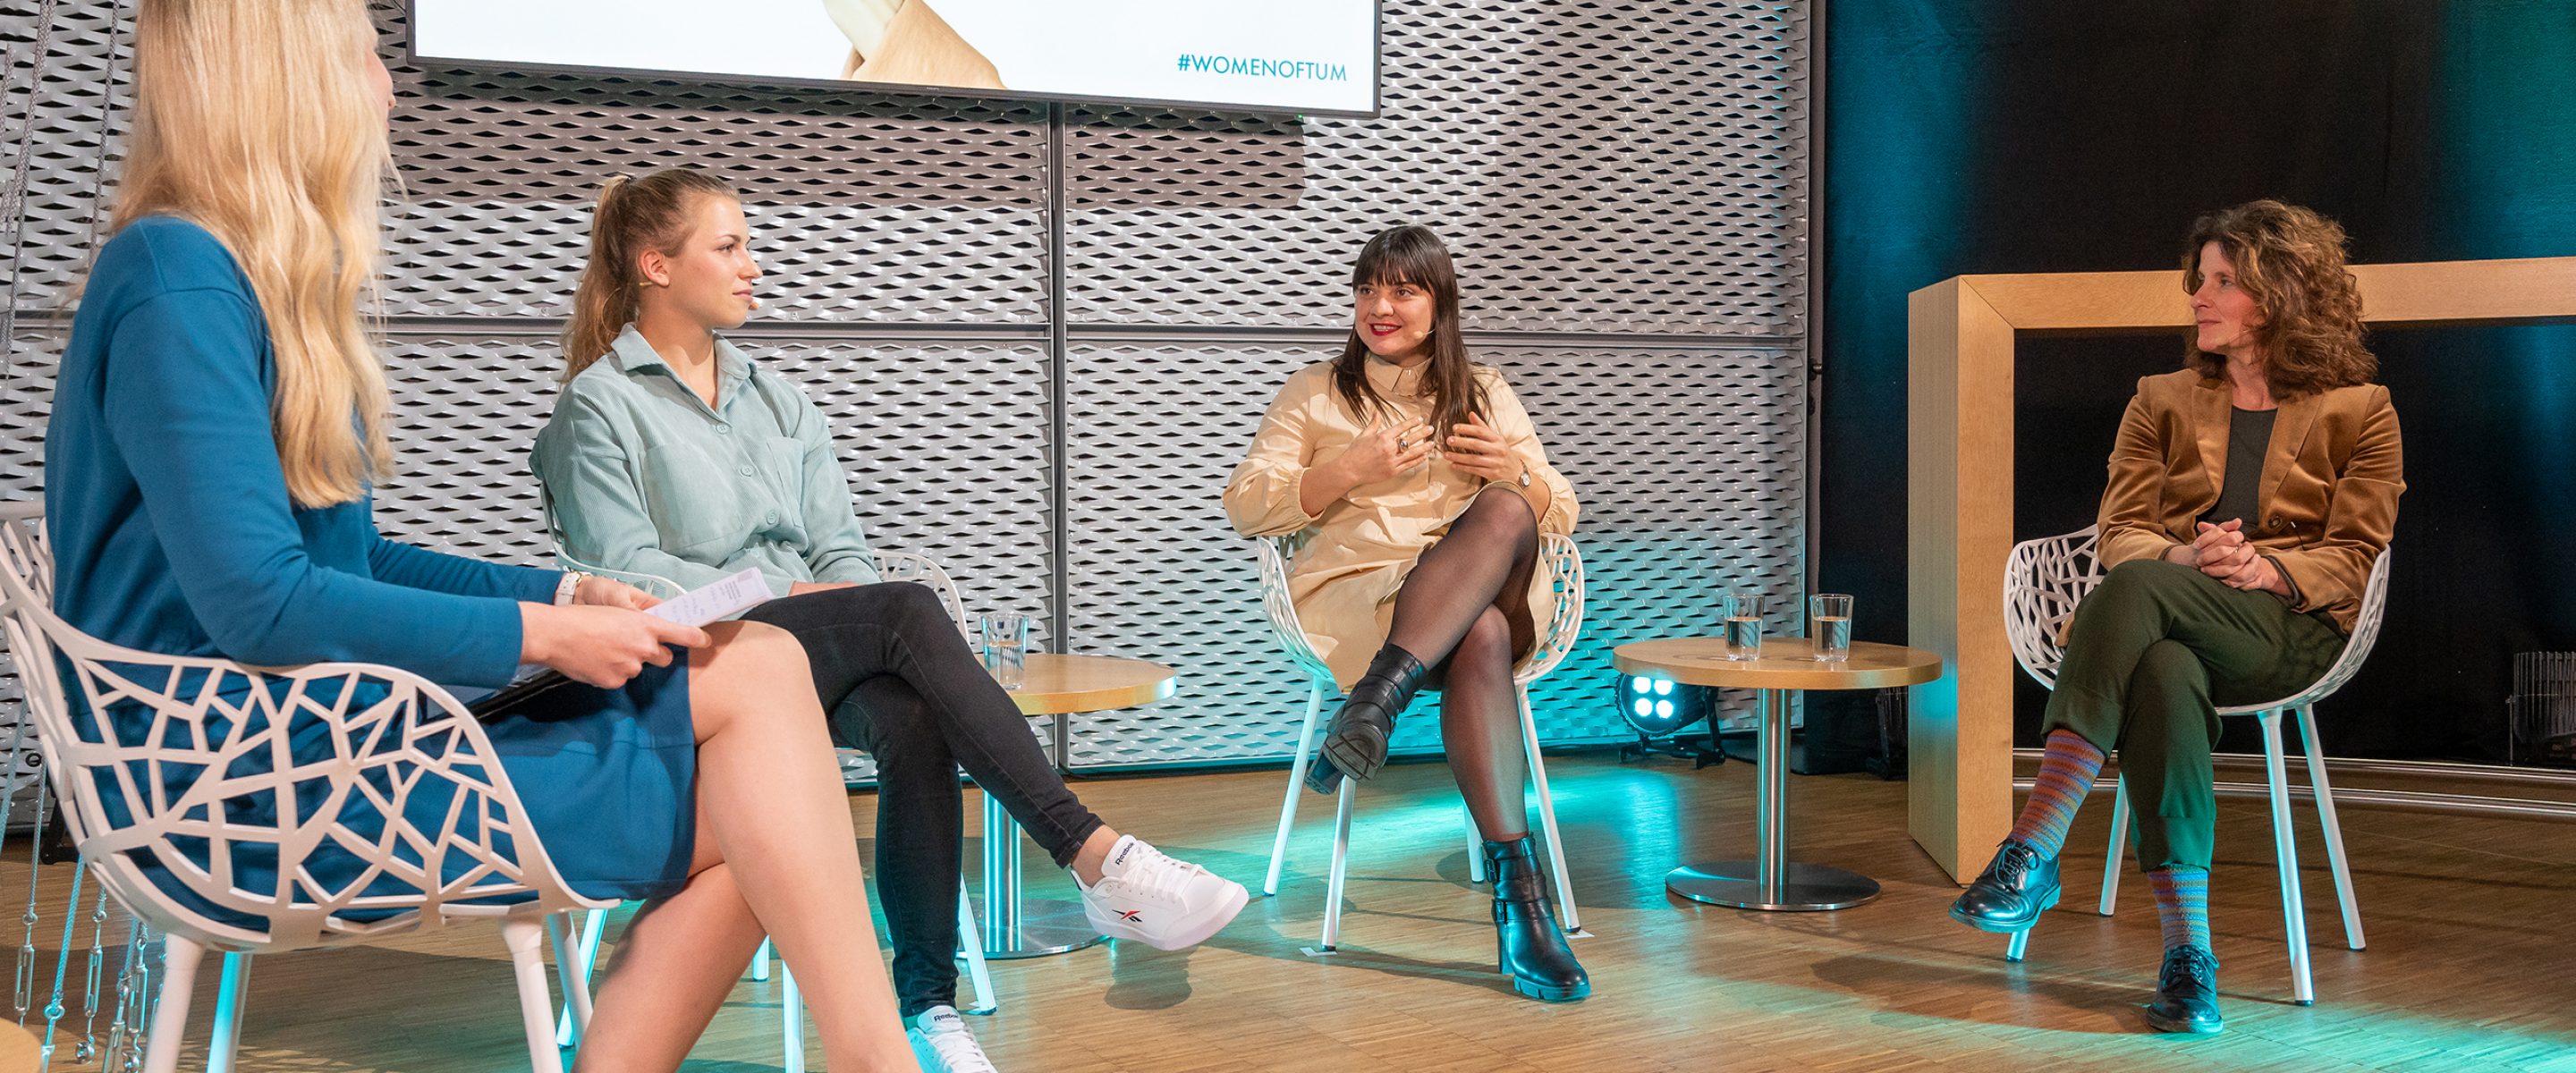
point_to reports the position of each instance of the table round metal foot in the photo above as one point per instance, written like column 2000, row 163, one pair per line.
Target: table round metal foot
column 1808, row 887
column 1045, row 926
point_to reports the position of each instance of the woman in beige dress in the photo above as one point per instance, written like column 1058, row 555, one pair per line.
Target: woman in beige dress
column 1422, row 488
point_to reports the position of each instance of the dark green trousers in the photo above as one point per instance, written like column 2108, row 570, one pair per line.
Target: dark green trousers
column 2154, row 652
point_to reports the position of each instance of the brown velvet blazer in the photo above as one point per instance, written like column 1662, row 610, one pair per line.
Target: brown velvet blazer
column 2330, row 482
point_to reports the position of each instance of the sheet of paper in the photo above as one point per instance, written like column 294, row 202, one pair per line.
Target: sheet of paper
column 733, row 594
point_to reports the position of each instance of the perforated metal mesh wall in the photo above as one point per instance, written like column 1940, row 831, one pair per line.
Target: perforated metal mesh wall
column 1622, row 181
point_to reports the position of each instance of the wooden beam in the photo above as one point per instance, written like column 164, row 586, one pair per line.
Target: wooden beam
column 1961, row 334
column 1960, row 501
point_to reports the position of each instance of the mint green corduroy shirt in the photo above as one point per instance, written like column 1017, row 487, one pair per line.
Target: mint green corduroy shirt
column 641, row 476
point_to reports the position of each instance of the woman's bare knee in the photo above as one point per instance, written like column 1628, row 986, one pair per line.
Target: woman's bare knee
column 752, row 670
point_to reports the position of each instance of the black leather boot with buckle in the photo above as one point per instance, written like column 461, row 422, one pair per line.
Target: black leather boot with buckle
column 2016, row 887
column 1355, row 741
column 1531, row 948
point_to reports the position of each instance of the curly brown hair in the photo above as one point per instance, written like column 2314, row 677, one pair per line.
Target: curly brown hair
column 2291, row 262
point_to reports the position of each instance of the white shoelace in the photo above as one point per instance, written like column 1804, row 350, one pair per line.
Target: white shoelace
column 957, row 1048
column 1166, row 879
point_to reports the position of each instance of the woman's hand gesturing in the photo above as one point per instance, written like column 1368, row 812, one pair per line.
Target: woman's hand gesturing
column 1476, row 448
column 1384, row 451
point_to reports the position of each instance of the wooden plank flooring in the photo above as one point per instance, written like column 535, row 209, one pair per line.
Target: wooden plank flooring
column 2472, row 925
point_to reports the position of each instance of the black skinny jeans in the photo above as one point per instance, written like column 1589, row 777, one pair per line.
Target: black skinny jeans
column 897, row 680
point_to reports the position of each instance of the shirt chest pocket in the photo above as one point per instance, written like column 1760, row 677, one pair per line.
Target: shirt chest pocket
column 699, row 500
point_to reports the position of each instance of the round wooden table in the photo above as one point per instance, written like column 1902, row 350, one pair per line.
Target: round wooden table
column 1769, row 880
column 1061, row 686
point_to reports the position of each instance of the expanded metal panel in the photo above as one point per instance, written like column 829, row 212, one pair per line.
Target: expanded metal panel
column 1601, row 167
column 1689, row 466
column 910, row 422
column 865, row 206
column 74, row 85
column 1597, row 165
column 26, row 400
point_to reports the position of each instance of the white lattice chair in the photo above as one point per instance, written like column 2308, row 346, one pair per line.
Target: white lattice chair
column 892, row 566
column 417, row 739
column 1563, row 564
column 2045, row 579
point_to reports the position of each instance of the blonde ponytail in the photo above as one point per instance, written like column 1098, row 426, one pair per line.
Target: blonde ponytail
column 631, row 216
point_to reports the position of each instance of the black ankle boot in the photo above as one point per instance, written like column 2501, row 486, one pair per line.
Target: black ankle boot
column 2016, row 887
column 2187, row 992
column 1532, row 948
column 1355, row 741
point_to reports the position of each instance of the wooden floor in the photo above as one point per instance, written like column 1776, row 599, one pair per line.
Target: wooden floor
column 2472, row 927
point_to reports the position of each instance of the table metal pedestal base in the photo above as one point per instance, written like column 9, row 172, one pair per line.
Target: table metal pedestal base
column 1046, row 927
column 1015, row 926
column 1809, row 887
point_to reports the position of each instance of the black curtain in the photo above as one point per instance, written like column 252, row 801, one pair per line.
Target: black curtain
column 1966, row 136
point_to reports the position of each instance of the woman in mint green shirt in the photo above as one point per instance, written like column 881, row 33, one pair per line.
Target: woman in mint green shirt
column 672, row 453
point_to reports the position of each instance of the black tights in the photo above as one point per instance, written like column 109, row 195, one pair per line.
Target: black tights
column 1464, row 612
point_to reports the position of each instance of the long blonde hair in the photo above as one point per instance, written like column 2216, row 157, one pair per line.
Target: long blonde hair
column 252, row 119
column 633, row 215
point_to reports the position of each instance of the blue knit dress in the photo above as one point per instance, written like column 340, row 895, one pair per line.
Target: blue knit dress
column 173, row 533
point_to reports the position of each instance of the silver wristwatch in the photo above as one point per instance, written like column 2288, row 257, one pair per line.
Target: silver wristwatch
column 1524, row 477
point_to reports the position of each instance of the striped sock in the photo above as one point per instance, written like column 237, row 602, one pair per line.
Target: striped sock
column 2066, row 774
column 2182, row 905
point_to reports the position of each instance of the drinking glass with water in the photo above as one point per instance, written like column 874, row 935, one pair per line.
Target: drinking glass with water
column 1744, row 624
column 1006, row 647
column 1829, row 626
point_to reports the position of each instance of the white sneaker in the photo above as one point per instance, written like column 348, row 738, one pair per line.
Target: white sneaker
column 941, row 1043
column 1153, row 899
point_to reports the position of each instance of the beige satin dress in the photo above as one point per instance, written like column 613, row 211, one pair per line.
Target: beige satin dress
column 1359, row 550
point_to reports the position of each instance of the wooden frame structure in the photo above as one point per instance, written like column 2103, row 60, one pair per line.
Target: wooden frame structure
column 1960, row 339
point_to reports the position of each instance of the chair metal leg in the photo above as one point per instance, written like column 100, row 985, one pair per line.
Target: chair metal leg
column 1573, row 922
column 2117, row 853
column 572, row 977
column 791, row 1008
column 760, row 962
column 2333, row 827
column 526, row 939
column 2285, row 840
column 585, row 954
column 2020, row 944
column 1342, row 801
column 1475, row 845
column 970, row 939
column 225, row 1047
column 179, row 958
column 1296, row 786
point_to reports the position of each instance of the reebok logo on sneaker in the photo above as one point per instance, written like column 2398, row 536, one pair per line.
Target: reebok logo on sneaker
column 1188, row 903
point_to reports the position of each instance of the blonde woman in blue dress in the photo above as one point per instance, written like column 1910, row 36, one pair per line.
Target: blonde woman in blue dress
column 219, row 420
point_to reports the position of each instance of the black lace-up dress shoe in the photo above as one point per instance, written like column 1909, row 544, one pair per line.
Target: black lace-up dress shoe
column 2187, row 993
column 2016, row 887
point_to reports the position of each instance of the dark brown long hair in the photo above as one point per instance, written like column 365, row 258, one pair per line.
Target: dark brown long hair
column 2291, row 262
column 633, row 215
column 1412, row 254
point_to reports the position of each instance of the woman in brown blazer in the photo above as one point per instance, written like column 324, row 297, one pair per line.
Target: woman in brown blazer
column 2249, row 494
